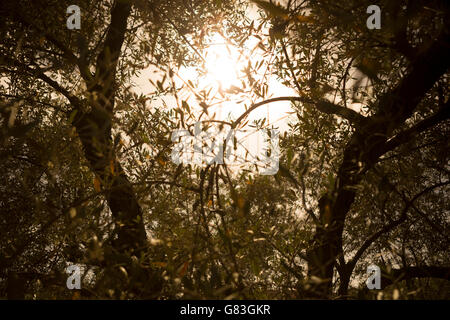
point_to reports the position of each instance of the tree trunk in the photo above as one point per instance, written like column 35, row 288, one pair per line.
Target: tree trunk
column 362, row 152
column 16, row 287
column 343, row 285
column 94, row 130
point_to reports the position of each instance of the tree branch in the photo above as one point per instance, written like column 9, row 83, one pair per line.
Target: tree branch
column 67, row 53
column 406, row 135
column 41, row 75
column 405, row 273
column 321, row 105
column 351, row 264
column 108, row 57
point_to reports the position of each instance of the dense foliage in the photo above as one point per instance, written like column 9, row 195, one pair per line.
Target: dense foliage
column 85, row 154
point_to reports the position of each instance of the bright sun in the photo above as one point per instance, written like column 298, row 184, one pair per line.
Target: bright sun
column 223, row 70
column 223, row 63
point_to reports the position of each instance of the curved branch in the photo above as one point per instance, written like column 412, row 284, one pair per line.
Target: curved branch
column 321, row 105
column 41, row 75
column 406, row 135
column 391, row 225
column 66, row 51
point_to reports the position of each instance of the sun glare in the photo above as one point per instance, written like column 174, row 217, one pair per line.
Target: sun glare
column 223, row 63
column 223, row 73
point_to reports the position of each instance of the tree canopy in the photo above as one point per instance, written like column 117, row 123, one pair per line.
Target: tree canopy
column 88, row 118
